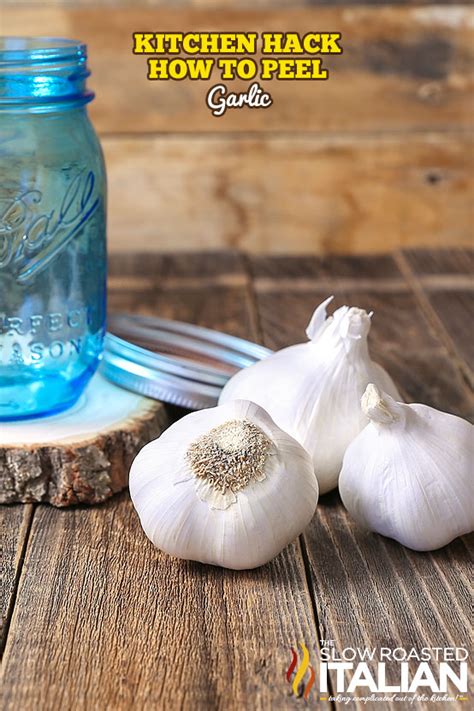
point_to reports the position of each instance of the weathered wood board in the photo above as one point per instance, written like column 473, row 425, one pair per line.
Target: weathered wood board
column 14, row 533
column 444, row 281
column 234, row 4
column 403, row 68
column 409, row 611
column 154, row 632
column 79, row 456
column 376, row 158
column 222, row 662
column 315, row 194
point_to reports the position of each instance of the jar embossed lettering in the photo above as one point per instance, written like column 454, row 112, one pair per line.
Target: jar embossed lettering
column 52, row 228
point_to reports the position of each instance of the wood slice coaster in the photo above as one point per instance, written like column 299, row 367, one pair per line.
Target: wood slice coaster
column 82, row 455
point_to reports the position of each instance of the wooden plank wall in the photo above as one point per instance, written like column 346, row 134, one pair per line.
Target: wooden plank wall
column 378, row 157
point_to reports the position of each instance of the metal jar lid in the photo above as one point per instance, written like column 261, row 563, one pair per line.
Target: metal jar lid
column 172, row 361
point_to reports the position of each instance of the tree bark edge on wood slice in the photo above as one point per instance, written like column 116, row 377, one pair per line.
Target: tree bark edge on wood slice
column 65, row 459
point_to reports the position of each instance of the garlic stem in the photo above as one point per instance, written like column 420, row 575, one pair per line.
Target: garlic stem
column 381, row 409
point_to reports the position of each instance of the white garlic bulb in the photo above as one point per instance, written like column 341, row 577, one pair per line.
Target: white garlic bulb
column 409, row 474
column 224, row 486
column 313, row 390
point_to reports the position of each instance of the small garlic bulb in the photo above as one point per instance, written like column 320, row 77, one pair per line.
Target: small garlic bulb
column 224, row 486
column 313, row 390
column 409, row 474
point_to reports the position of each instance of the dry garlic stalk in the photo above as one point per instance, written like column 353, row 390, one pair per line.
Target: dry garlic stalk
column 224, row 486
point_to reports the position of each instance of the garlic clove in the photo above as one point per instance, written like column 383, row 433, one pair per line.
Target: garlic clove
column 409, row 474
column 312, row 390
column 224, row 486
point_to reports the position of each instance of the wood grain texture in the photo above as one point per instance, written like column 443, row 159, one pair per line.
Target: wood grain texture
column 14, row 530
column 307, row 194
column 226, row 4
column 386, row 595
column 444, row 281
column 80, row 469
column 402, row 339
column 377, row 157
column 421, row 606
column 153, row 632
column 369, row 590
column 403, row 68
column 450, row 262
column 456, row 311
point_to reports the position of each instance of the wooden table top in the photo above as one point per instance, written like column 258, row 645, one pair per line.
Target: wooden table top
column 95, row 618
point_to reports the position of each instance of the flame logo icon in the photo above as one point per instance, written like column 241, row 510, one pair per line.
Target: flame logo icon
column 300, row 672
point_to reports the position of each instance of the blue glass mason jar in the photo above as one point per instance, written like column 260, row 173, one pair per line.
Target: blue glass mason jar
column 52, row 228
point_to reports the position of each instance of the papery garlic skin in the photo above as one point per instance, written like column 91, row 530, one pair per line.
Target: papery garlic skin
column 313, row 390
column 409, row 474
column 186, row 517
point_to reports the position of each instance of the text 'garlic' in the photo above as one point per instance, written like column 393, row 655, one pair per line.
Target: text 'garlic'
column 313, row 390
column 409, row 474
column 224, row 486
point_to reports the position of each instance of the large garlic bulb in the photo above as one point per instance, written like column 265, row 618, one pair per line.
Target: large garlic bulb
column 313, row 390
column 224, row 486
column 409, row 474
